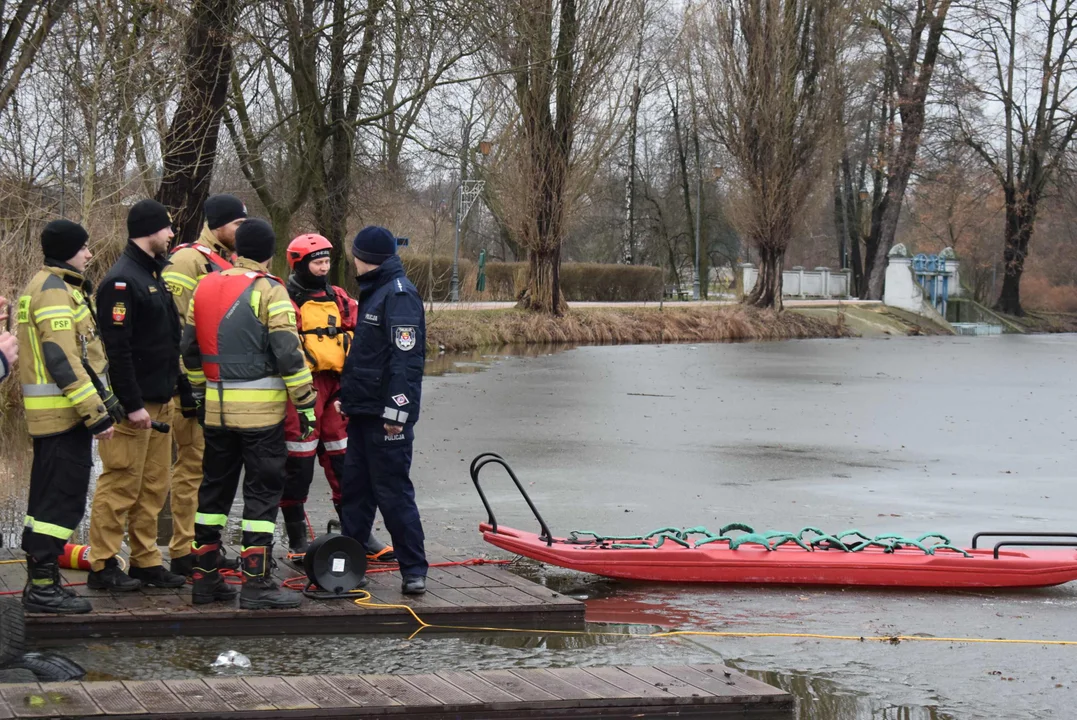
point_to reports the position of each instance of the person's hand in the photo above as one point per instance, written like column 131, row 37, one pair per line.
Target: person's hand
column 9, row 346
column 105, row 434
column 307, row 421
column 393, row 429
column 139, row 419
column 337, row 407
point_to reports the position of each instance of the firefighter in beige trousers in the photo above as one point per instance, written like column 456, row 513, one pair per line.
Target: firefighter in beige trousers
column 140, row 329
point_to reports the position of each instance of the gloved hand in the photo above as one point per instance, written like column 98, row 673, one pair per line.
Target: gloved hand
column 113, row 407
column 200, row 410
column 306, row 421
column 188, row 404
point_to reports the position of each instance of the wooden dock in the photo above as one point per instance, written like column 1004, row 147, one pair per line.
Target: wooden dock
column 710, row 691
column 463, row 596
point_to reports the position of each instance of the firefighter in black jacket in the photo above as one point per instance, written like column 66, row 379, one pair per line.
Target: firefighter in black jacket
column 141, row 331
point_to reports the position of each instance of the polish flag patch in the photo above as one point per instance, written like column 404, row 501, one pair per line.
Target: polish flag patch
column 121, row 285
column 400, row 400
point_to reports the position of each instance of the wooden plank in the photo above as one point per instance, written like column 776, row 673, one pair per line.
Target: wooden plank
column 638, row 688
column 442, row 690
column 238, row 694
column 501, row 575
column 713, row 677
column 278, row 693
column 113, row 698
column 20, row 696
column 197, row 696
column 590, row 683
column 517, row 686
column 398, row 688
column 319, row 692
column 443, row 577
column 473, row 684
column 663, row 681
column 59, row 698
column 359, row 691
column 552, row 684
column 154, row 695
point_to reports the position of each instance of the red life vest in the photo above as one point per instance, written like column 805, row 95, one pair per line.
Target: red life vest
column 216, row 262
column 233, row 341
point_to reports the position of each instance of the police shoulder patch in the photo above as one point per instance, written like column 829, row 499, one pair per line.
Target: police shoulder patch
column 400, row 400
column 404, row 336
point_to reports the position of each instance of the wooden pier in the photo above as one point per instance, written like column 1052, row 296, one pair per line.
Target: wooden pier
column 710, row 691
column 462, row 596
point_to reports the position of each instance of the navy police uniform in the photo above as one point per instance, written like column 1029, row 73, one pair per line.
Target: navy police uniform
column 382, row 385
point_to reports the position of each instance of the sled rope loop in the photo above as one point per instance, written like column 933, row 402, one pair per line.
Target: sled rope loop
column 807, row 538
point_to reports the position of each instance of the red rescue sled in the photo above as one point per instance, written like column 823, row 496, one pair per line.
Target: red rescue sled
column 1038, row 562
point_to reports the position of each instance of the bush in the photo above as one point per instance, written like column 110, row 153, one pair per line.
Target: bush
column 1037, row 293
column 598, row 282
column 418, row 268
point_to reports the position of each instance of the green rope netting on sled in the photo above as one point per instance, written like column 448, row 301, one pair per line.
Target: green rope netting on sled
column 808, row 538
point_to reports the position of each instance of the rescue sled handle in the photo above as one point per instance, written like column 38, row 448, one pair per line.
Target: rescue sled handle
column 482, row 461
column 1027, row 543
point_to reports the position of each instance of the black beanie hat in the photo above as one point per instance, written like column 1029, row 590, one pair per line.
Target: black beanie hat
column 374, row 245
column 255, row 240
column 223, row 209
column 62, row 239
column 147, row 217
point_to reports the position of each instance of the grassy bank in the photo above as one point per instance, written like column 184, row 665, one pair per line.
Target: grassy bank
column 456, row 330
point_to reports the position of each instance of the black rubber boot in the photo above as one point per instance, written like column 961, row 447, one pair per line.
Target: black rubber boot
column 413, row 585
column 260, row 590
column 377, row 551
column 45, row 594
column 208, row 585
column 298, row 536
column 227, row 563
column 111, row 577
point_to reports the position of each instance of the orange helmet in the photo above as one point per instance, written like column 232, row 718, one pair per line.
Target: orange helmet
column 306, row 245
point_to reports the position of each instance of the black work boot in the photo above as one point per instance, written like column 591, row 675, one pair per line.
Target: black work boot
column 298, row 536
column 208, row 584
column 158, row 577
column 260, row 590
column 111, row 577
column 182, row 565
column 45, row 594
column 377, row 551
column 413, row 585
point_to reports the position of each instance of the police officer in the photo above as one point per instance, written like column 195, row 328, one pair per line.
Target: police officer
column 141, row 331
column 64, row 409
column 187, row 265
column 379, row 393
column 241, row 338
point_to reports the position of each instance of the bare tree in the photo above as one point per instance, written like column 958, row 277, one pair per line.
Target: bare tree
column 769, row 85
column 24, row 32
column 909, row 66
column 1020, row 57
column 560, row 54
column 191, row 142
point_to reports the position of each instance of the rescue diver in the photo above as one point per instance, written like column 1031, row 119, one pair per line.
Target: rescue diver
column 243, row 356
column 379, row 393
column 326, row 324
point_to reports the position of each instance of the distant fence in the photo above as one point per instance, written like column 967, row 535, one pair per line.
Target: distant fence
column 822, row 282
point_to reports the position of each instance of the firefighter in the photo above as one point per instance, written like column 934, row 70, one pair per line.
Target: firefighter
column 188, row 264
column 141, row 331
column 243, row 356
column 64, row 406
column 326, row 324
column 379, row 392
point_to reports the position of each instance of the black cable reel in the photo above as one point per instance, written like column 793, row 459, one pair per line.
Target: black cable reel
column 335, row 567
